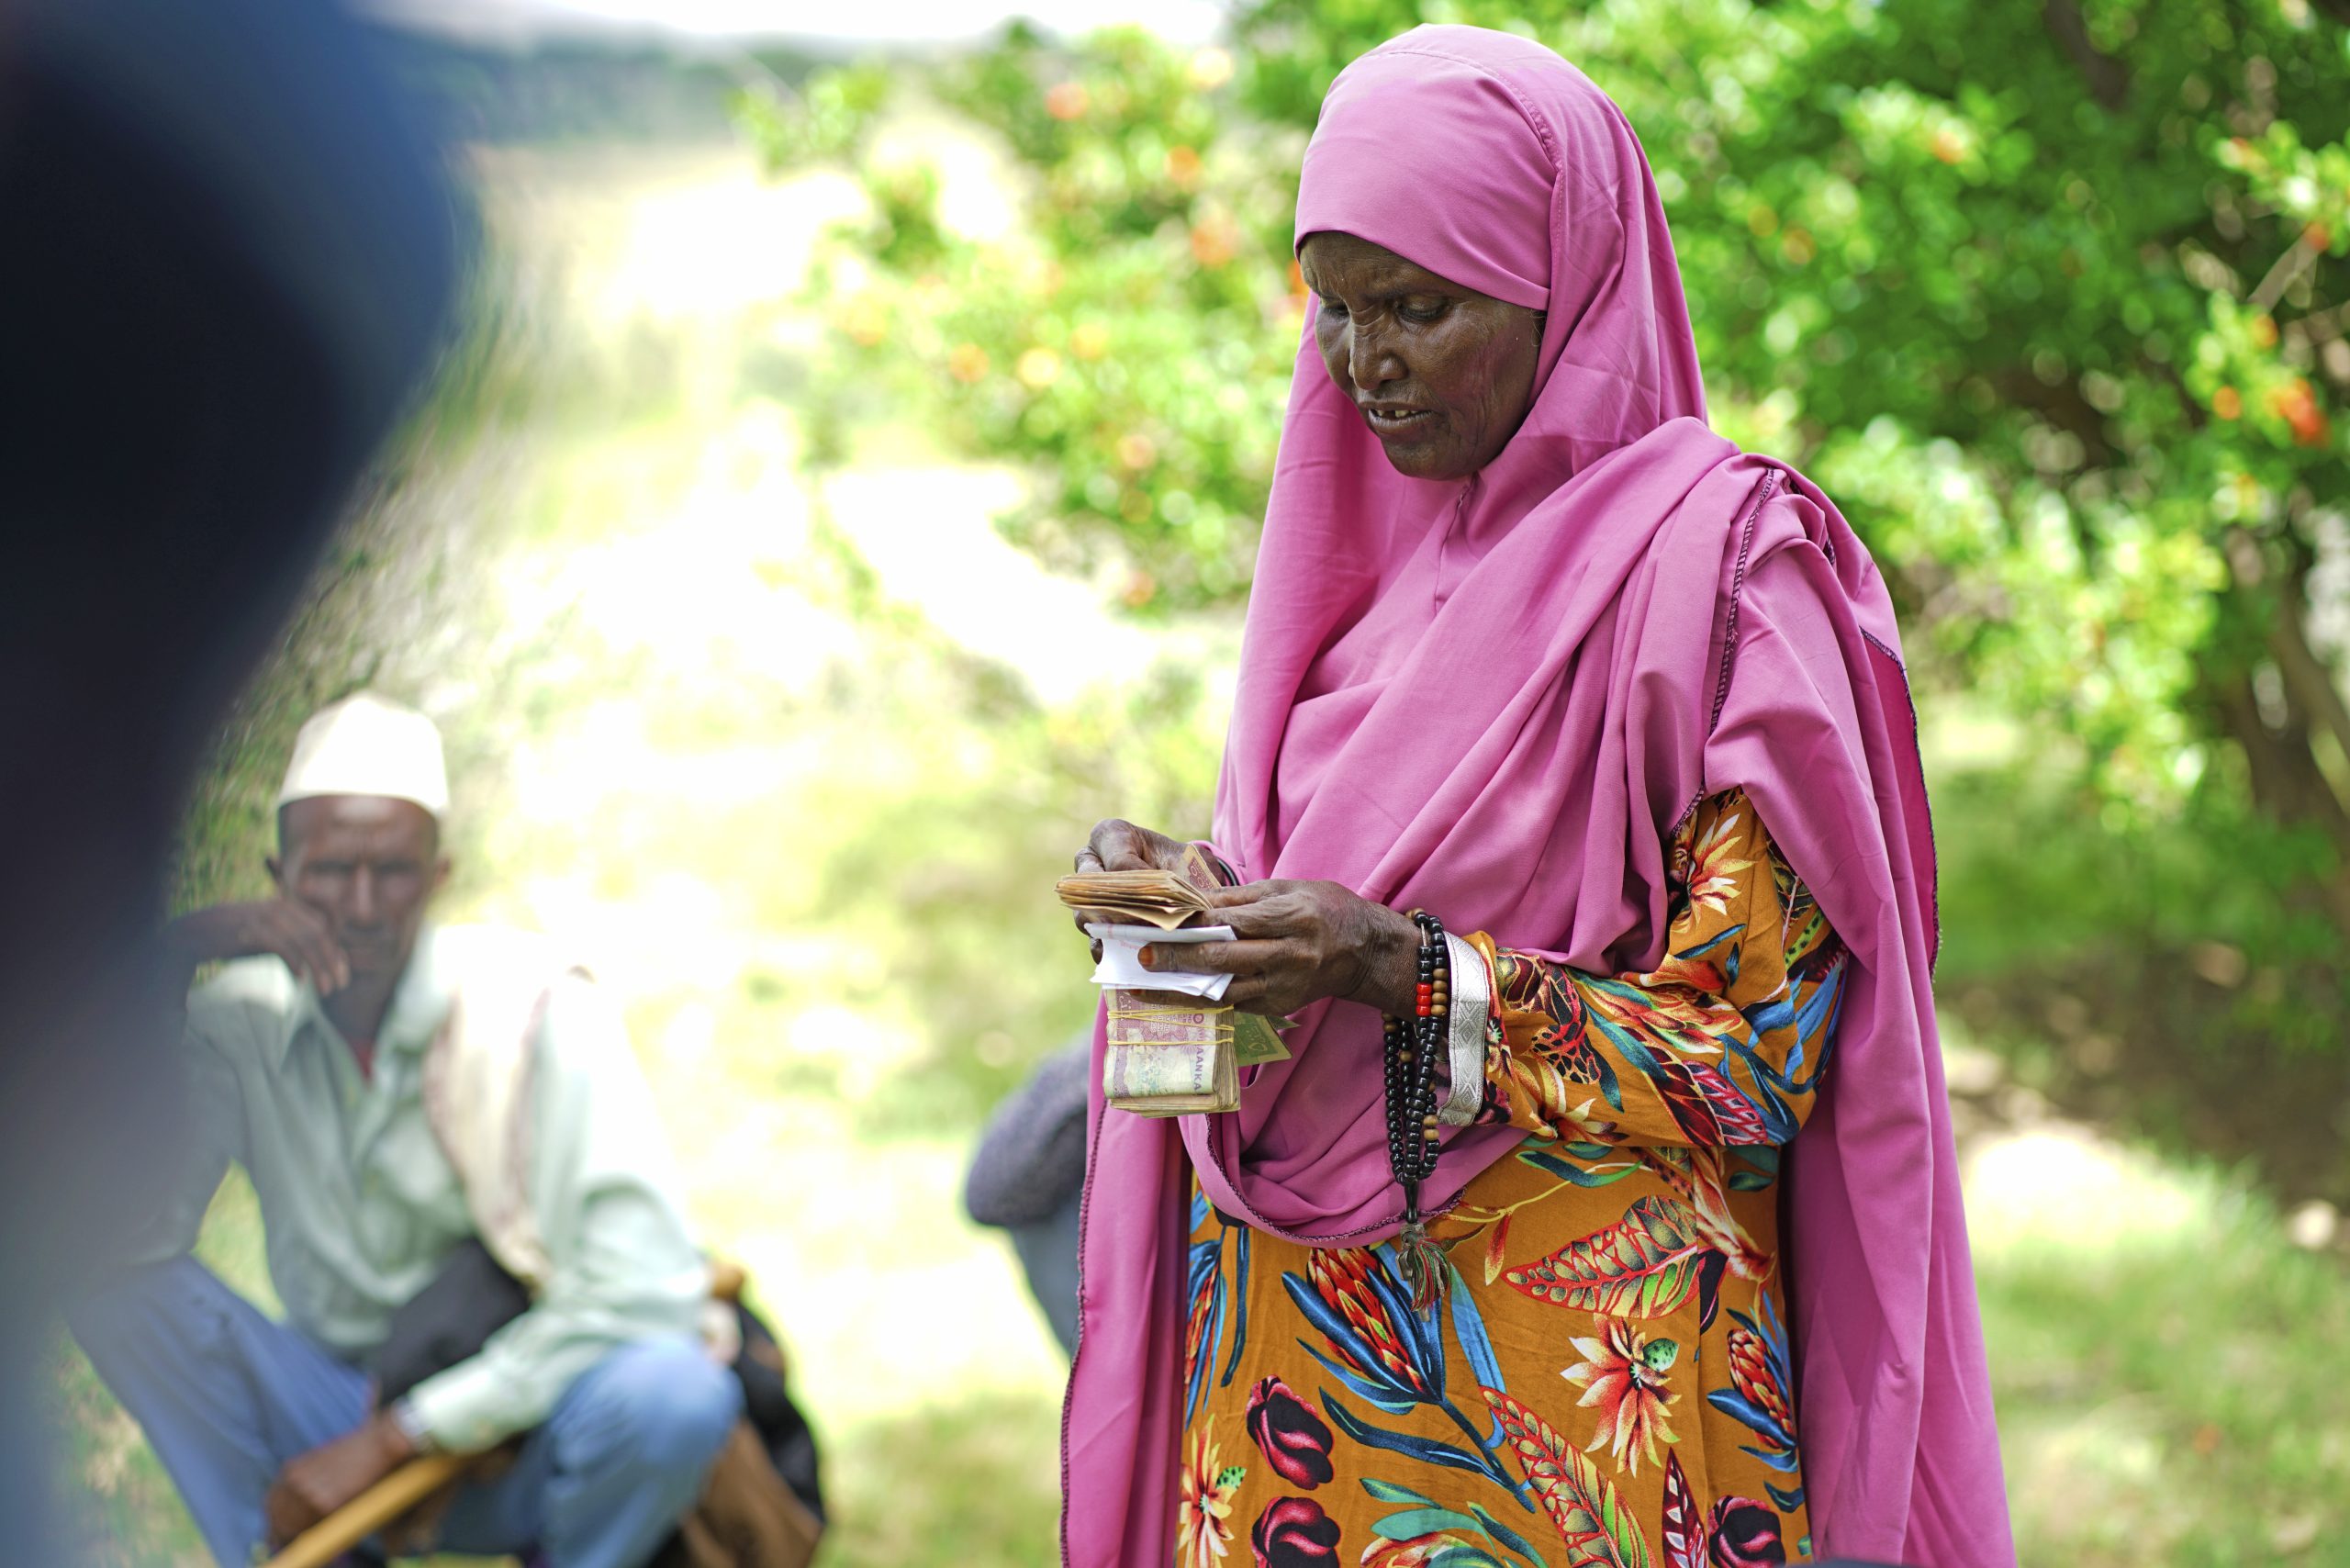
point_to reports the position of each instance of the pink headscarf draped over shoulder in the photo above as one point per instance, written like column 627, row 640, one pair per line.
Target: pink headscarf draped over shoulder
column 1496, row 700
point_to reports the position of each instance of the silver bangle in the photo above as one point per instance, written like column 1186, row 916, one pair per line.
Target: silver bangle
column 1471, row 1004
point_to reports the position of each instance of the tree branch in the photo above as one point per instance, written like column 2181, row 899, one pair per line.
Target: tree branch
column 2307, row 676
column 2288, row 787
column 2109, row 81
column 2062, row 406
column 2284, row 782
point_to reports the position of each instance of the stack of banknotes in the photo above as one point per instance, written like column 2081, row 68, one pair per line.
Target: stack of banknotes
column 1165, row 1058
column 1160, row 899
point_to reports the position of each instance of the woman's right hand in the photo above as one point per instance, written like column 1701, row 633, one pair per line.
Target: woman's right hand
column 1118, row 844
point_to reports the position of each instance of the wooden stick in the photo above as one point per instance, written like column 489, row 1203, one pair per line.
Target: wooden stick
column 386, row 1501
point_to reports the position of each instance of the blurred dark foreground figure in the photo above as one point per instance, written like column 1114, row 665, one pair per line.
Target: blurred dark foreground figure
column 224, row 263
column 442, row 1123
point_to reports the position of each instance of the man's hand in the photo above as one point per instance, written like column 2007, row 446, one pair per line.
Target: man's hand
column 315, row 1484
column 1119, row 845
column 1297, row 943
column 295, row 933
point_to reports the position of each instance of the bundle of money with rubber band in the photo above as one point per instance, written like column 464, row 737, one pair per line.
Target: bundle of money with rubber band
column 1166, row 1057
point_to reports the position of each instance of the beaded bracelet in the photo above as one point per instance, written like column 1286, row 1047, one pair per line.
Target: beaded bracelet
column 1412, row 1046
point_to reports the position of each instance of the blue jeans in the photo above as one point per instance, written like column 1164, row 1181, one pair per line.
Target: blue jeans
column 227, row 1396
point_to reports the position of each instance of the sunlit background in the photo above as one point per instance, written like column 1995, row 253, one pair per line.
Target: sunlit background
column 843, row 495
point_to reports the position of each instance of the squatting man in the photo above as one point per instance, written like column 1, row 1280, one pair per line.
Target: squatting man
column 395, row 1089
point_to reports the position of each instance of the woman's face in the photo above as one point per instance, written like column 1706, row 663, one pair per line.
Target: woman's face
column 1442, row 375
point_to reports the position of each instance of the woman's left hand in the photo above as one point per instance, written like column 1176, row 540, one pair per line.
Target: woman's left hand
column 1299, row 942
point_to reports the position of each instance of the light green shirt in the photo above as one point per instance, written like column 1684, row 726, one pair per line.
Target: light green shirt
column 361, row 1207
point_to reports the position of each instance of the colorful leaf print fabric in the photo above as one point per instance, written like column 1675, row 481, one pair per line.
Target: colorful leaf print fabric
column 1605, row 1383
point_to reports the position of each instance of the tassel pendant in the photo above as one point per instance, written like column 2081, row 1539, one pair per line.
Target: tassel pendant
column 1421, row 1262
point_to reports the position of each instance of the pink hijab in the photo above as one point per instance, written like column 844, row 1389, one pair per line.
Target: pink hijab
column 1496, row 700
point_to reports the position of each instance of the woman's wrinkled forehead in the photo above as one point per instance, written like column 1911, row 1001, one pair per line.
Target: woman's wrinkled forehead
column 1439, row 157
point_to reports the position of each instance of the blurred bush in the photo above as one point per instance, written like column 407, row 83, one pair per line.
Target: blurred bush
column 2052, row 297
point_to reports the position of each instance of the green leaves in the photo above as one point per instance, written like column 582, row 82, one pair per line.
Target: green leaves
column 1128, row 340
column 829, row 117
column 2061, row 316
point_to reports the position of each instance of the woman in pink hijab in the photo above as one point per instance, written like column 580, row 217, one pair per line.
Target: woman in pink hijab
column 1605, row 1209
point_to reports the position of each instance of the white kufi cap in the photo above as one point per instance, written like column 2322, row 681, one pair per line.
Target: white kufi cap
column 365, row 745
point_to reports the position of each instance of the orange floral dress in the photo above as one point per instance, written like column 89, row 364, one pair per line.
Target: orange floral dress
column 1606, row 1379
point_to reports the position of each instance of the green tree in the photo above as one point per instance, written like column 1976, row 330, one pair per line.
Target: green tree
column 2051, row 297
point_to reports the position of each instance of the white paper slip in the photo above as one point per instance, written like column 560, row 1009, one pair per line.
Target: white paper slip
column 1120, row 963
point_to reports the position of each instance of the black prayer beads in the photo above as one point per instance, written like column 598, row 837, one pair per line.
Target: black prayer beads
column 1412, row 1046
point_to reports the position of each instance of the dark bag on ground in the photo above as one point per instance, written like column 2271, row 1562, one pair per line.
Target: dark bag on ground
column 763, row 1505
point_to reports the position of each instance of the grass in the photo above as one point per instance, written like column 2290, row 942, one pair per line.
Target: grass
column 974, row 1483
column 2168, row 1367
